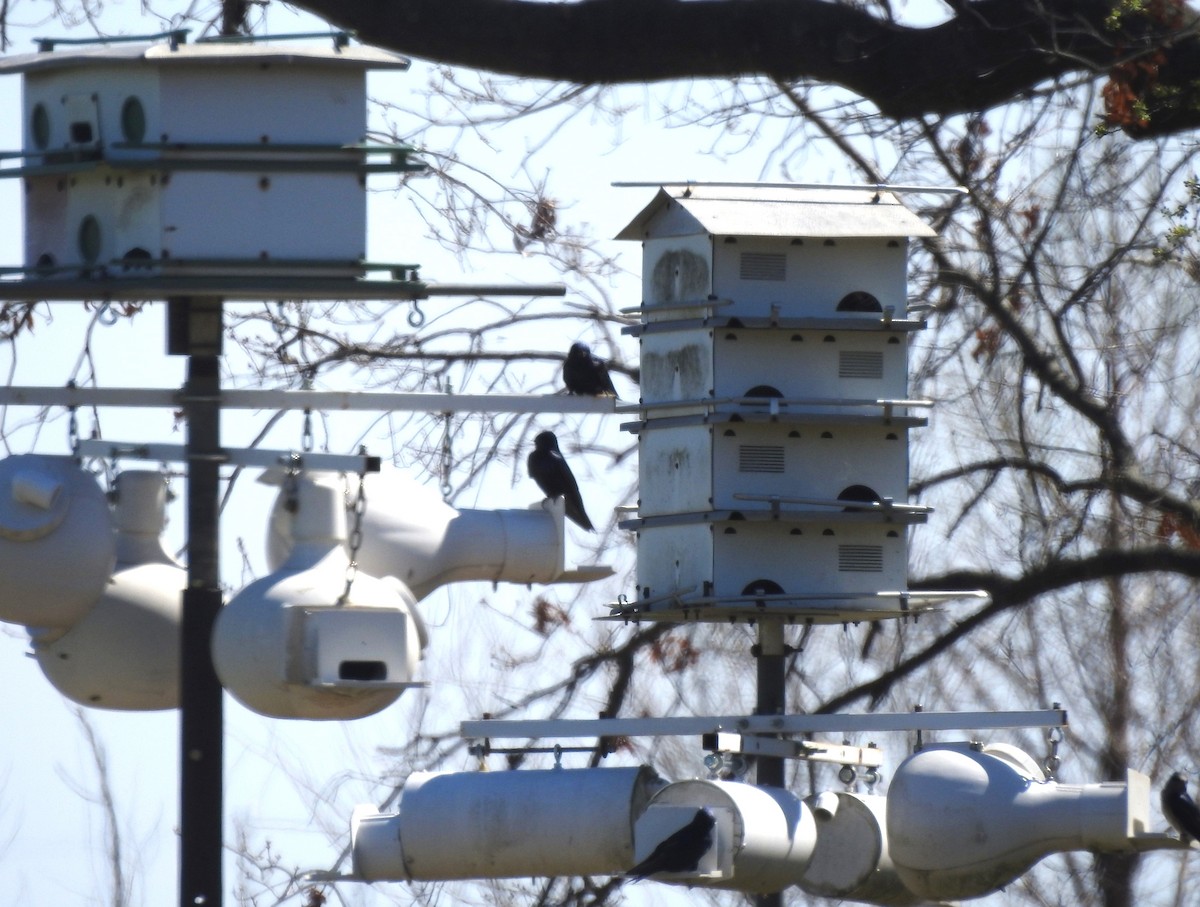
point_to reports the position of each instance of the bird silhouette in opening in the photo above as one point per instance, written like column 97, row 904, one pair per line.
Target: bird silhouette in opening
column 680, row 851
column 1180, row 809
column 552, row 474
column 585, row 374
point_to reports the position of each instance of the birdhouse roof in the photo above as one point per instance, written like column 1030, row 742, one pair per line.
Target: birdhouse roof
column 209, row 53
column 775, row 210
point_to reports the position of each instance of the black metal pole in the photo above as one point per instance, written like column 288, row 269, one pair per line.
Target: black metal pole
column 194, row 330
column 772, row 699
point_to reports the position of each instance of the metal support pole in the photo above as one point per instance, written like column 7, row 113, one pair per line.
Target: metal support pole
column 194, row 330
column 771, row 693
column 772, row 700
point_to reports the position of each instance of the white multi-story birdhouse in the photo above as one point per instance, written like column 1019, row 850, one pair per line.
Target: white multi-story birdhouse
column 183, row 158
column 774, row 412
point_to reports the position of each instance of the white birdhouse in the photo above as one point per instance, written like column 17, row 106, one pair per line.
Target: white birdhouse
column 467, row 825
column 763, row 837
column 773, row 438
column 300, row 643
column 124, row 654
column 964, row 820
column 411, row 534
column 57, row 547
column 851, row 861
column 182, row 158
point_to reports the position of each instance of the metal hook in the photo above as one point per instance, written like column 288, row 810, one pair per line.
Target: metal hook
column 416, row 317
column 279, row 324
column 106, row 315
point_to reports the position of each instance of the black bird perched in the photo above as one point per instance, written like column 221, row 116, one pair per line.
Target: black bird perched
column 1180, row 809
column 585, row 374
column 548, row 468
column 681, row 851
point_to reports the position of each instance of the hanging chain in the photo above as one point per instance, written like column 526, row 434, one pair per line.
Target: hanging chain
column 447, row 459
column 447, row 464
column 112, row 477
column 306, row 433
column 291, row 483
column 359, row 507
column 1054, row 737
column 72, row 424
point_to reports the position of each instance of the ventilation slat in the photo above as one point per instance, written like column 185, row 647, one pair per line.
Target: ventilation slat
column 860, row 364
column 860, row 558
column 763, row 266
column 760, row 458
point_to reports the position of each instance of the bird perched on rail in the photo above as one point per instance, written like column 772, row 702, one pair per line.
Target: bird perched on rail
column 552, row 474
column 585, row 374
column 1180, row 809
column 681, row 851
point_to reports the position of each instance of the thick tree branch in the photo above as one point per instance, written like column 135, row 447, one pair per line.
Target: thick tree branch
column 990, row 52
column 1014, row 592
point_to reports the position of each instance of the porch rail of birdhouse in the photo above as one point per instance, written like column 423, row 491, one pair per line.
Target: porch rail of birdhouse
column 100, row 284
column 906, row 515
column 813, row 417
column 885, row 506
column 791, row 607
column 134, row 266
column 217, row 157
column 340, row 38
column 854, row 322
column 712, row 302
column 772, row 405
column 173, row 37
column 177, row 36
column 913, row 189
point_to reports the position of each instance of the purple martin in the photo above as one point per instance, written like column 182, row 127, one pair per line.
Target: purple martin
column 680, row 851
column 585, row 374
column 552, row 474
column 1180, row 809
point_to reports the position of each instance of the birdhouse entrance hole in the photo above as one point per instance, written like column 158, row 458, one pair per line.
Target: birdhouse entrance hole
column 362, row 670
